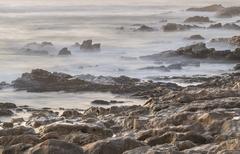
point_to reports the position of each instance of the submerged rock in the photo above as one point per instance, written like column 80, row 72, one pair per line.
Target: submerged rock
column 229, row 12
column 145, row 28
column 196, row 37
column 177, row 27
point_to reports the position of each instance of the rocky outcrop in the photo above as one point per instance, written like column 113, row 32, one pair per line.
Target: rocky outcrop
column 115, row 145
column 177, row 27
column 229, row 12
column 196, row 37
column 40, row 80
column 35, row 48
column 64, row 52
column 197, row 51
column 197, row 19
column 88, row 45
column 210, row 8
column 145, row 28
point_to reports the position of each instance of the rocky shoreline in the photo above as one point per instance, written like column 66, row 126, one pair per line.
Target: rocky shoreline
column 193, row 119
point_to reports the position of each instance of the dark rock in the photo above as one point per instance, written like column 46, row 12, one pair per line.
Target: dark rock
column 64, row 52
column 196, row 37
column 218, row 25
column 231, row 26
column 5, row 112
column 145, row 28
column 16, row 131
column 177, row 27
column 237, row 67
column 197, row 19
column 7, row 106
column 175, row 66
column 7, row 125
column 88, row 45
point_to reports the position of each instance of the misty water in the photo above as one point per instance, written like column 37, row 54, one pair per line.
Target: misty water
column 65, row 22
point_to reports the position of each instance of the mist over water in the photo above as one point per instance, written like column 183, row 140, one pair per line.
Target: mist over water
column 64, row 22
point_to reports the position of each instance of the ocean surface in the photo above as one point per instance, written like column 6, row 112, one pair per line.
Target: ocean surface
column 64, row 22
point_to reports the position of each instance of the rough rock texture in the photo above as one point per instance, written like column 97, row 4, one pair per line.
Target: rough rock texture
column 229, row 12
column 40, row 80
column 170, row 27
column 64, row 52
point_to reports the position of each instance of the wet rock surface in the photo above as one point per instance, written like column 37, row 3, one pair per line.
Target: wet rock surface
column 193, row 119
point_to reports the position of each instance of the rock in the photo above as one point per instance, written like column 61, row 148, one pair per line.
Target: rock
column 197, row 50
column 64, row 52
column 113, row 145
column 235, row 40
column 7, row 125
column 177, row 27
column 17, row 120
column 7, row 106
column 197, row 19
column 88, row 46
column 25, row 138
column 100, row 102
column 55, row 146
column 16, row 149
column 145, row 28
column 81, row 138
column 229, row 12
column 218, row 25
column 65, row 129
column 159, row 68
column 210, row 8
column 17, row 131
column 35, row 48
column 138, row 150
column 5, row 112
column 175, row 66
column 51, row 135
column 237, row 67
column 71, row 114
column 231, row 26
column 196, row 37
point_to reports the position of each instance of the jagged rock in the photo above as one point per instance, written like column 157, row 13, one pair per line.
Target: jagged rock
column 235, row 40
column 7, row 125
column 55, row 146
column 81, row 138
column 16, row 139
column 64, row 52
column 175, row 66
column 197, row 19
column 110, row 146
column 88, row 45
column 210, row 8
column 17, row 120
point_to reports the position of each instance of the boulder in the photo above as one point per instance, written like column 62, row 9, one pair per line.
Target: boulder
column 235, row 40
column 64, row 52
column 7, row 106
column 7, row 125
column 16, row 149
column 71, row 114
column 112, row 145
column 55, row 147
column 197, row 19
column 169, row 27
column 218, row 25
column 17, row 131
column 87, row 45
column 5, row 112
column 237, row 67
column 196, row 37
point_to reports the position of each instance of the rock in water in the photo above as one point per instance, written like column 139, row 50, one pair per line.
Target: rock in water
column 229, row 12
column 87, row 45
column 64, row 52
column 196, row 37
column 197, row 19
column 145, row 28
